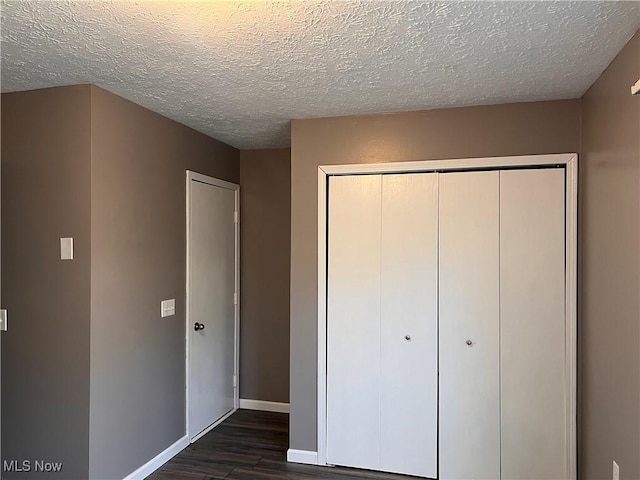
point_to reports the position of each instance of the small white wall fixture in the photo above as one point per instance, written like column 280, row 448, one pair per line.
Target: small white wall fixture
column 570, row 163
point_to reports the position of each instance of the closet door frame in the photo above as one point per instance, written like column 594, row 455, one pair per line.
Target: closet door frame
column 568, row 160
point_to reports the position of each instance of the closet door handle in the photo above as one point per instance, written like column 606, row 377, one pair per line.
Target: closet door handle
column 469, row 342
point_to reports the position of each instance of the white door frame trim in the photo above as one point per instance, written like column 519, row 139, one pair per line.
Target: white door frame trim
column 198, row 177
column 570, row 162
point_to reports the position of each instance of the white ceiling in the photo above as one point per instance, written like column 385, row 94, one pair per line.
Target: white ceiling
column 240, row 70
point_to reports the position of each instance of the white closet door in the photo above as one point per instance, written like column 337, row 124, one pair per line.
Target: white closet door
column 409, row 302
column 353, row 322
column 469, row 444
column 532, row 265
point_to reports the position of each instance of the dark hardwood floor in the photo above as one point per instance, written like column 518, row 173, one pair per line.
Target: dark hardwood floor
column 251, row 445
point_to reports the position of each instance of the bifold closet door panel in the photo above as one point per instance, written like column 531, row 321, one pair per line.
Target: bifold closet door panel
column 469, row 444
column 532, row 293
column 409, row 328
column 353, row 321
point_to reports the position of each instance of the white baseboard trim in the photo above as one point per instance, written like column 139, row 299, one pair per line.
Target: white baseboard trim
column 155, row 463
column 264, row 406
column 302, row 456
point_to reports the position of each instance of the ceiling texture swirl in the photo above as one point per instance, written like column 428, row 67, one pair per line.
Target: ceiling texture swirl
column 239, row 71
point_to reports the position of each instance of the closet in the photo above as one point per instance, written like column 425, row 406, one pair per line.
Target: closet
column 445, row 324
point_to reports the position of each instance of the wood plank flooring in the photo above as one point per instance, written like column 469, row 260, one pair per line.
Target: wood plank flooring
column 251, row 445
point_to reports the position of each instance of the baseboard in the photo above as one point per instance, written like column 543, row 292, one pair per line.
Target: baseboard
column 264, row 406
column 155, row 463
column 302, row 456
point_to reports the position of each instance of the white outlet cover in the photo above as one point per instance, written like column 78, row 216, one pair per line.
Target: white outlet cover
column 616, row 471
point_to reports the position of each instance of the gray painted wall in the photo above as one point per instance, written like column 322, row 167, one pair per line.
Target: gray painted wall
column 45, row 353
column 512, row 129
column 265, row 222
column 610, row 248
column 138, row 256
column 96, row 377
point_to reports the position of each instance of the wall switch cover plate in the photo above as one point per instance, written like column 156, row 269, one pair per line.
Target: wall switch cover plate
column 3, row 320
column 616, row 471
column 168, row 308
column 66, row 249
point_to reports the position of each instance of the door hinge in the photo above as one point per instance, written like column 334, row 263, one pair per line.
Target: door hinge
column 3, row 320
column 235, row 217
column 235, row 381
column 235, row 298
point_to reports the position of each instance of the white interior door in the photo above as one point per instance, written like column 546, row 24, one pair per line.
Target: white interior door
column 409, row 325
column 211, row 287
column 353, row 321
column 382, row 354
column 505, row 368
column 469, row 440
column 532, row 325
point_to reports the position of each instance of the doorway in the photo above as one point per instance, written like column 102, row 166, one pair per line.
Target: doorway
column 212, row 317
column 509, row 225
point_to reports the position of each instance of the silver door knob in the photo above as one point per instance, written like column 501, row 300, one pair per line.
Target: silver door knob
column 407, row 338
column 469, row 342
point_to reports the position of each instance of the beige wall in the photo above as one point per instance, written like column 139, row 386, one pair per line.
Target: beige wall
column 610, row 248
column 46, row 168
column 512, row 129
column 265, row 222
column 138, row 191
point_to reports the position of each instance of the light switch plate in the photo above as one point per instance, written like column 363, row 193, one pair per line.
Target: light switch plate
column 616, row 471
column 66, row 249
column 3, row 320
column 168, row 308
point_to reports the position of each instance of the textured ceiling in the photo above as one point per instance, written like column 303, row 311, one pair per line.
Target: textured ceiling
column 240, row 70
